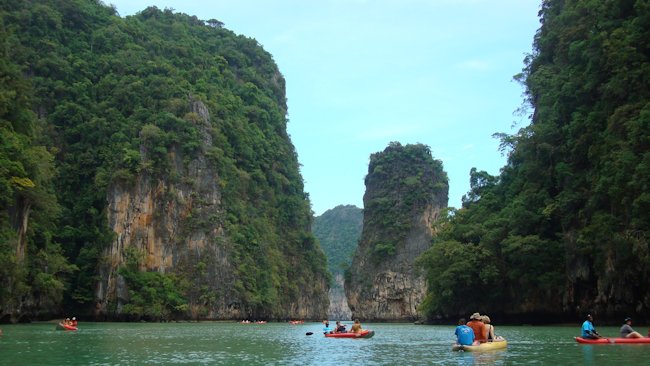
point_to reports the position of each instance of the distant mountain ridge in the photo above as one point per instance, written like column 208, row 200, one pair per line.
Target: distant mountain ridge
column 338, row 231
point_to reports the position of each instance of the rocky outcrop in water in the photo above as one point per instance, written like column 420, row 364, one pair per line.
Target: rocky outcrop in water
column 406, row 189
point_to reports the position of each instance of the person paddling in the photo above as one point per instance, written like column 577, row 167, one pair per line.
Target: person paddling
column 464, row 334
column 588, row 330
column 339, row 328
column 356, row 327
column 326, row 327
column 627, row 331
column 478, row 327
column 489, row 329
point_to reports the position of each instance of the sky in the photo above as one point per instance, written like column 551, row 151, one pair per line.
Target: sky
column 363, row 73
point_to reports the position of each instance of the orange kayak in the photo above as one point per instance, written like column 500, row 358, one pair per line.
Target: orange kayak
column 363, row 334
column 61, row 326
column 613, row 340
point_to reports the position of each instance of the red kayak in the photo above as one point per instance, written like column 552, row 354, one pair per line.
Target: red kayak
column 363, row 334
column 65, row 327
column 613, row 340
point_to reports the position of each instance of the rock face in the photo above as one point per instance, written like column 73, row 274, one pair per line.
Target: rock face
column 158, row 220
column 406, row 189
column 339, row 308
column 147, row 172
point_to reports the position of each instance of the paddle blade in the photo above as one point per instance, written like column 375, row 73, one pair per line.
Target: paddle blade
column 309, row 333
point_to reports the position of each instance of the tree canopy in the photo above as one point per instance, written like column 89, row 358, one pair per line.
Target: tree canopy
column 89, row 100
column 562, row 230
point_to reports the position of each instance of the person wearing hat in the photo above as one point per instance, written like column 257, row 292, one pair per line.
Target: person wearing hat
column 588, row 330
column 489, row 328
column 478, row 327
column 627, row 331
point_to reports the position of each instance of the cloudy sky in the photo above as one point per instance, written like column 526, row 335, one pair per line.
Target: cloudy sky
column 363, row 73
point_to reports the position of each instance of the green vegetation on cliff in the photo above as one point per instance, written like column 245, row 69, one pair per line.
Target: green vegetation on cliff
column 89, row 100
column 406, row 191
column 401, row 182
column 338, row 231
column 563, row 229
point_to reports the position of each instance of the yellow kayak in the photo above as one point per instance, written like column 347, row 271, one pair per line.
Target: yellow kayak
column 487, row 346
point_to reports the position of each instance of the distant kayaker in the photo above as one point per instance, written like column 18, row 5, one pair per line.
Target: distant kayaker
column 73, row 322
column 339, row 328
column 356, row 327
column 478, row 327
column 326, row 327
column 627, row 331
column 588, row 330
column 464, row 334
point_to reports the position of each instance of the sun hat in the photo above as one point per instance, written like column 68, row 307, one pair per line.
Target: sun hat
column 476, row 316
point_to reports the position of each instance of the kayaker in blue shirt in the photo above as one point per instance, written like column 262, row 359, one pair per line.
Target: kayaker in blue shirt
column 588, row 330
column 326, row 327
column 464, row 334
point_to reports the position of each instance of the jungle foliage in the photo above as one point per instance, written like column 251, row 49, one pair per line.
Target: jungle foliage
column 563, row 228
column 338, row 230
column 84, row 94
column 402, row 181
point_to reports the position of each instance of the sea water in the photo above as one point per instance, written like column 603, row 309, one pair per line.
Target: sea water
column 231, row 343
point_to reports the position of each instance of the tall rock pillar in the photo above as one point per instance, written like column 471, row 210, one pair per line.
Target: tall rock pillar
column 406, row 189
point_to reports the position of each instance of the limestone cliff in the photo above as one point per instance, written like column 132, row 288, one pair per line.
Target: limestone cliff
column 339, row 308
column 177, row 226
column 406, row 189
column 147, row 171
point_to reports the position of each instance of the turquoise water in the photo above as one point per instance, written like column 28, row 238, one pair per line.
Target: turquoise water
column 211, row 343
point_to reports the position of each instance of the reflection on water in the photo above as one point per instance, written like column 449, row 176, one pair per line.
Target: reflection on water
column 588, row 352
column 283, row 344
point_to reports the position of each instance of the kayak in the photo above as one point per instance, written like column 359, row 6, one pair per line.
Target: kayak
column 363, row 334
column 487, row 346
column 613, row 340
column 65, row 327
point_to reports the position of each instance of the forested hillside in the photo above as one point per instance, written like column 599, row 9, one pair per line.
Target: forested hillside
column 563, row 230
column 146, row 171
column 338, row 230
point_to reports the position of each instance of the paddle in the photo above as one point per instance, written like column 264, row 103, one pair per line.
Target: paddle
column 309, row 333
